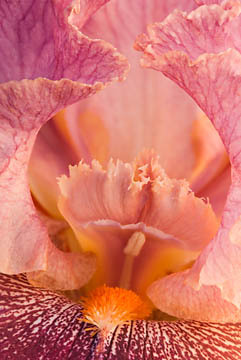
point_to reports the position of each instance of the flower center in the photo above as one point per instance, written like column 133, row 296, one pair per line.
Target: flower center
column 111, row 208
column 107, row 307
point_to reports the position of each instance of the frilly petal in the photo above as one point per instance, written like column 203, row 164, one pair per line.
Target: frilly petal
column 55, row 49
column 142, row 105
column 41, row 324
column 105, row 206
column 216, row 34
column 132, row 193
column 207, row 67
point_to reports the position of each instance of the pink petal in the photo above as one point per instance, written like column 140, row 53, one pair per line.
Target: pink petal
column 208, row 2
column 40, row 324
column 104, row 207
column 137, row 112
column 55, row 51
column 122, row 194
column 173, row 296
column 213, row 80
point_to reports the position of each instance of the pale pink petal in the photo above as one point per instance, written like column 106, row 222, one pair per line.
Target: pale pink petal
column 173, row 296
column 177, row 34
column 105, row 207
column 138, row 112
column 208, row 2
column 43, row 47
column 55, row 49
column 213, row 80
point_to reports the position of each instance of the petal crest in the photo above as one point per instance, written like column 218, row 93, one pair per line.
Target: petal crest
column 192, row 304
column 105, row 206
column 133, row 193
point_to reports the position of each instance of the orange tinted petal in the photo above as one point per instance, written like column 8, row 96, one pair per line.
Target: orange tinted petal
column 174, row 296
column 104, row 207
column 211, row 156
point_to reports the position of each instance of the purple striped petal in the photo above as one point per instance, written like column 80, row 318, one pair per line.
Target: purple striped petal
column 40, row 324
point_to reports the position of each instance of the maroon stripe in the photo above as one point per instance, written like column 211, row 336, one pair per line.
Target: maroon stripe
column 40, row 324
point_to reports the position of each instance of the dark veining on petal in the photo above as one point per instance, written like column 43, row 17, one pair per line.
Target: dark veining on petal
column 111, row 342
column 129, row 337
column 40, row 324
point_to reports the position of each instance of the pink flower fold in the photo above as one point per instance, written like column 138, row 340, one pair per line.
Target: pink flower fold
column 50, row 64
column 200, row 51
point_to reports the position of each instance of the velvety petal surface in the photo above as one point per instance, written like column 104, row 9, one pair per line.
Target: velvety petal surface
column 201, row 53
column 137, row 114
column 40, row 324
column 51, row 64
column 104, row 207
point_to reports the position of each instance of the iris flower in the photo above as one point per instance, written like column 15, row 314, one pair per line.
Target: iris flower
column 150, row 204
